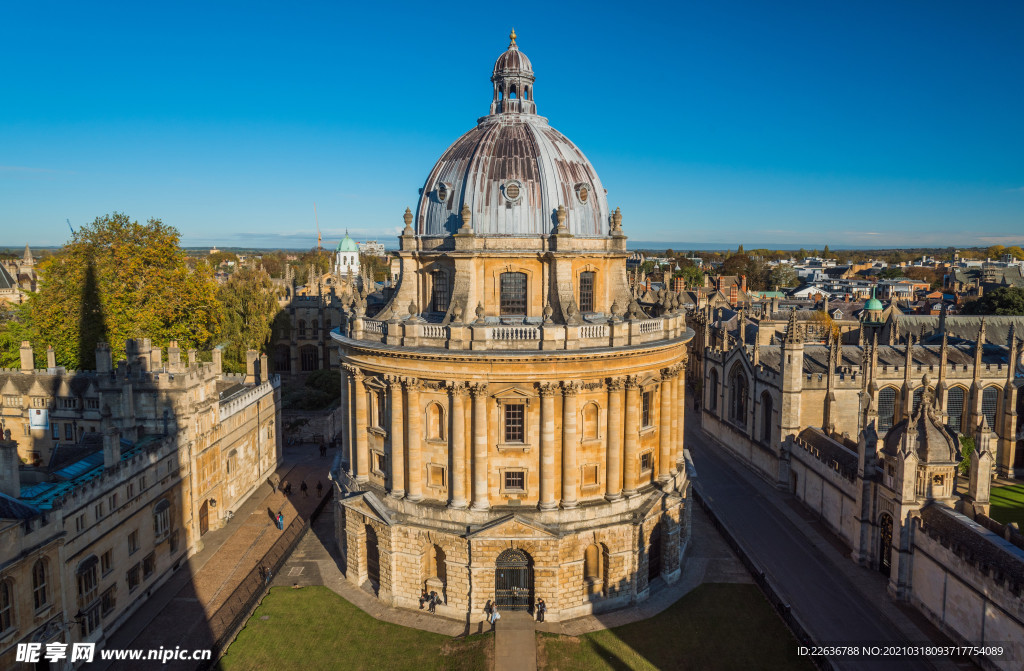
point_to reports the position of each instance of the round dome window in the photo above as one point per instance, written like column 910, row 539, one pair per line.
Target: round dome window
column 443, row 191
column 513, row 189
column 583, row 193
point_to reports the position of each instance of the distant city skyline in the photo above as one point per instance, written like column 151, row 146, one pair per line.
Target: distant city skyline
column 869, row 125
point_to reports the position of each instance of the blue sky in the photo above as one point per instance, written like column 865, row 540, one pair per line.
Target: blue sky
column 786, row 122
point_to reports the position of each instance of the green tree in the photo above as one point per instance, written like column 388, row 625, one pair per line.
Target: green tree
column 825, row 252
column 248, row 309
column 218, row 258
column 1001, row 301
column 691, row 274
column 755, row 270
column 273, row 263
column 118, row 279
column 782, row 276
column 16, row 327
column 316, row 261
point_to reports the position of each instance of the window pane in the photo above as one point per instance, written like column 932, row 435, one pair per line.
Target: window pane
column 587, row 291
column 513, row 293
column 886, row 408
column 442, row 293
column 988, row 406
column 514, row 423
column 955, row 407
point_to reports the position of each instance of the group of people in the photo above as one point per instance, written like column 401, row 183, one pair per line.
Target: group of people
column 431, row 600
column 493, row 614
column 286, row 487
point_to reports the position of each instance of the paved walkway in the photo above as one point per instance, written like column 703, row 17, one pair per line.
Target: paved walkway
column 515, row 642
column 178, row 612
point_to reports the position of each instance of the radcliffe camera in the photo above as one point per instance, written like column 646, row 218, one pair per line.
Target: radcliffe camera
column 345, row 337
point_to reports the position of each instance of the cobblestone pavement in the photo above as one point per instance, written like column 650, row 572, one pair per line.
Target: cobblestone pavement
column 177, row 612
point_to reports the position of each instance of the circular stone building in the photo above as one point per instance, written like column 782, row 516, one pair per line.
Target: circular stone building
column 513, row 420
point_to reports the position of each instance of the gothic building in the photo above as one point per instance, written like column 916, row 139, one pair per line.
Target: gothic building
column 110, row 478
column 513, row 418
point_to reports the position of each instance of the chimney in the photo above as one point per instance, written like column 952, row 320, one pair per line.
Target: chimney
column 10, row 465
column 743, row 283
column 27, row 359
column 250, row 366
column 173, row 357
column 156, row 358
column 264, row 368
column 191, row 357
column 104, row 362
column 218, row 366
column 111, row 447
column 147, row 353
column 51, row 357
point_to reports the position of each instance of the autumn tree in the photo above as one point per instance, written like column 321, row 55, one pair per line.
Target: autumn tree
column 1001, row 301
column 248, row 309
column 782, row 276
column 118, row 279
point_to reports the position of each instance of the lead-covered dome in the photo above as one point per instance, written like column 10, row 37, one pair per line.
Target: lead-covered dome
column 513, row 170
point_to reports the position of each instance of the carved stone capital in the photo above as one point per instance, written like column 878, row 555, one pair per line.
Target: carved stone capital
column 616, row 383
column 570, row 388
column 457, row 389
column 632, row 382
column 478, row 389
column 547, row 389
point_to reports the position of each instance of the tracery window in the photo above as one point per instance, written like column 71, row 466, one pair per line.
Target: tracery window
column 886, row 408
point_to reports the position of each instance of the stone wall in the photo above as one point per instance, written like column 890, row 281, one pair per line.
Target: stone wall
column 826, row 491
column 974, row 604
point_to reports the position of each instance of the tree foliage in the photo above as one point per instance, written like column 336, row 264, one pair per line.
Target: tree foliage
column 782, row 276
column 1001, row 301
column 15, row 327
column 248, row 310
column 691, row 274
column 756, row 270
column 118, row 279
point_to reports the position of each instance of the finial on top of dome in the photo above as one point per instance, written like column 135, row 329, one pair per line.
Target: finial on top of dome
column 512, row 36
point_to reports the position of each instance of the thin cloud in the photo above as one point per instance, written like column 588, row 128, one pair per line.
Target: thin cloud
column 1019, row 189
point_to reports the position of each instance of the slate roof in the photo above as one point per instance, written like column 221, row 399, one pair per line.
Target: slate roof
column 6, row 281
column 829, row 449
column 997, row 328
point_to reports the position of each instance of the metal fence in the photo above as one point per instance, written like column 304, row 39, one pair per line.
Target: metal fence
column 774, row 598
column 230, row 617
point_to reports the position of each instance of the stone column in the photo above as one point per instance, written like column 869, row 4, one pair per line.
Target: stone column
column 677, row 408
column 613, row 461
column 547, row 447
column 481, row 500
column 570, row 476
column 362, row 467
column 413, row 413
column 457, row 447
column 397, row 433
column 630, row 465
column 666, row 453
column 681, row 416
column 346, row 418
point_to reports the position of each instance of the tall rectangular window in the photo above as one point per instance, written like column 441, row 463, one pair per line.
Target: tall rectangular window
column 515, row 423
column 513, row 294
column 587, row 291
column 441, row 291
column 645, row 408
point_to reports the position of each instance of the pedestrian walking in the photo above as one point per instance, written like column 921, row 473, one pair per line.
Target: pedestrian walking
column 304, row 489
column 488, row 609
column 286, row 487
column 495, row 616
column 280, row 521
column 541, row 609
column 323, row 449
column 319, row 489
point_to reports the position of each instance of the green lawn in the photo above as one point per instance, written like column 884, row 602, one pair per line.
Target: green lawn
column 716, row 627
column 313, row 628
column 1008, row 504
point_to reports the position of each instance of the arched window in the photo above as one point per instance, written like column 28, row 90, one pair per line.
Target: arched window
column 434, row 565
column 302, row 328
column 513, row 294
column 713, row 390
column 766, row 417
column 316, row 328
column 39, row 594
column 282, row 358
column 738, row 396
column 512, row 93
column 886, row 408
column 955, row 407
column 592, row 564
column 6, row 605
column 441, row 293
column 591, row 416
column 989, row 401
column 162, row 512
column 526, row 93
column 87, row 585
column 435, row 421
column 587, row 291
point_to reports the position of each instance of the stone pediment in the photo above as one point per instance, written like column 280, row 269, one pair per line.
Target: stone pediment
column 511, row 526
column 369, row 505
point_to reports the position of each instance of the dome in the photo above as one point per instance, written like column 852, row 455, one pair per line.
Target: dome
column 924, row 433
column 513, row 170
column 347, row 244
column 873, row 303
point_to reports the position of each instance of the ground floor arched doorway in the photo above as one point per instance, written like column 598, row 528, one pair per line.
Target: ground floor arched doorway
column 885, row 544
column 513, row 580
column 204, row 518
column 654, row 554
column 372, row 557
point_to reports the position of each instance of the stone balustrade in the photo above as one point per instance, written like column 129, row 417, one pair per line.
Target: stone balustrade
column 413, row 333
